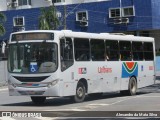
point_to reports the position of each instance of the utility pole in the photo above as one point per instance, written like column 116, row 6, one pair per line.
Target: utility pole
column 67, row 14
column 65, row 17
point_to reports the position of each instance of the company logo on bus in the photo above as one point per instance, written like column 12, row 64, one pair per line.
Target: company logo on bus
column 82, row 70
column 129, row 69
column 104, row 70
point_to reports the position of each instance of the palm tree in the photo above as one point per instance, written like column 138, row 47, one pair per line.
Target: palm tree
column 48, row 19
column 43, row 23
column 2, row 20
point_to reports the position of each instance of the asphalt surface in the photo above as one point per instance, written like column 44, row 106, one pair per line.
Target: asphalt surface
column 106, row 107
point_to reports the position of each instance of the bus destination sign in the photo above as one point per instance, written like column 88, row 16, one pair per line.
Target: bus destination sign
column 32, row 36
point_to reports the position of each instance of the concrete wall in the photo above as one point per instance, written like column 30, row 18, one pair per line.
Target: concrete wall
column 40, row 3
column 34, row 4
column 3, row 5
column 3, row 73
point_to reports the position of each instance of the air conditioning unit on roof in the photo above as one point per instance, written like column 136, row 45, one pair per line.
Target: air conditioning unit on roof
column 121, row 21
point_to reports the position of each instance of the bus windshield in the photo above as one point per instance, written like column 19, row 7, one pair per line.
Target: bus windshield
column 33, row 58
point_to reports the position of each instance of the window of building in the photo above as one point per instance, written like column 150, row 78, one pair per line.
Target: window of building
column 112, row 50
column 18, row 21
column 121, row 12
column 14, row 3
column 24, row 2
column 137, row 49
column 148, row 51
column 125, row 50
column 82, row 49
column 97, row 50
column 114, row 12
column 81, row 16
column 128, row 11
column 58, row 1
column 66, row 49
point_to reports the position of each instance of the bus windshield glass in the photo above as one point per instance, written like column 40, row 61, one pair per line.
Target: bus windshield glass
column 40, row 57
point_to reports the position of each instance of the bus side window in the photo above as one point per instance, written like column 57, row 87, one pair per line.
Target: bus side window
column 66, row 49
column 112, row 50
column 148, row 51
column 125, row 50
column 137, row 49
column 82, row 49
column 97, row 50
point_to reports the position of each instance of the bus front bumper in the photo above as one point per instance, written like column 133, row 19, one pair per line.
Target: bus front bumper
column 34, row 90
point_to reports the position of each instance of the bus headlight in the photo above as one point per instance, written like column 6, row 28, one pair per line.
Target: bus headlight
column 53, row 83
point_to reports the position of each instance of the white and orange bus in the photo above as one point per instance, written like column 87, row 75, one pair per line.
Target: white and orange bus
column 48, row 63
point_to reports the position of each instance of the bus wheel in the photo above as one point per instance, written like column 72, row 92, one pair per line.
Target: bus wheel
column 80, row 93
column 38, row 100
column 132, row 87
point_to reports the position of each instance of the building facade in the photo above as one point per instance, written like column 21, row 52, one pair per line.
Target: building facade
column 138, row 17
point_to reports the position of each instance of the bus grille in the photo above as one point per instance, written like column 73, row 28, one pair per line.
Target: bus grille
column 30, row 79
column 31, row 92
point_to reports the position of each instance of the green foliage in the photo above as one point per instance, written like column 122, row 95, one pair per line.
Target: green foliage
column 48, row 19
column 2, row 20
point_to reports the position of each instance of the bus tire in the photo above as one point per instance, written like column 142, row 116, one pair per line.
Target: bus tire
column 38, row 100
column 80, row 93
column 132, row 87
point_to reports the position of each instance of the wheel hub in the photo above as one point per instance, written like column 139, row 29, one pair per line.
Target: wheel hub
column 80, row 92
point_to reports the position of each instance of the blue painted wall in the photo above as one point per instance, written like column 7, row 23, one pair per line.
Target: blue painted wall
column 31, row 20
column 156, row 14
column 99, row 20
column 98, row 12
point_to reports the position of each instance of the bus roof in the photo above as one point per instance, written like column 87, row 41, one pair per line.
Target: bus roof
column 106, row 36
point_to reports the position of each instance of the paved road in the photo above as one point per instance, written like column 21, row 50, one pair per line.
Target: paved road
column 147, row 99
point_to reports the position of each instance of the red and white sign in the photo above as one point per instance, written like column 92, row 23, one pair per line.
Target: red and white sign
column 82, row 70
column 104, row 70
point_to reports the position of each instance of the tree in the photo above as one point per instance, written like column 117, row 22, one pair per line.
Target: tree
column 2, row 20
column 48, row 19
